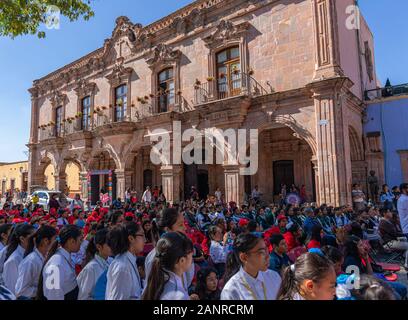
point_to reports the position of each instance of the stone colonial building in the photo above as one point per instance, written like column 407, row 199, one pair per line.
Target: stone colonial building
column 292, row 69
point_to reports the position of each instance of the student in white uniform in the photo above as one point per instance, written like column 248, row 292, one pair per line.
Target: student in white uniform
column 30, row 268
column 312, row 277
column 5, row 231
column 218, row 249
column 96, row 264
column 247, row 276
column 58, row 278
column 174, row 256
column 171, row 220
column 15, row 253
column 123, row 279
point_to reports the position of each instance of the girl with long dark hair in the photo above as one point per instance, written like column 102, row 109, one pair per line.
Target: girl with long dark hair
column 58, row 277
column 30, row 268
column 174, row 256
column 18, row 243
column 123, row 280
column 96, row 264
column 312, row 277
column 247, row 276
column 171, row 220
column 207, row 285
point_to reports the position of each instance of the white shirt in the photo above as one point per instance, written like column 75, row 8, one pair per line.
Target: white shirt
column 218, row 195
column 10, row 271
column 29, row 273
column 89, row 276
column 242, row 286
column 79, row 257
column 402, row 207
column 175, row 289
column 218, row 252
column 147, row 196
column 124, row 281
column 59, row 276
column 188, row 276
column 2, row 258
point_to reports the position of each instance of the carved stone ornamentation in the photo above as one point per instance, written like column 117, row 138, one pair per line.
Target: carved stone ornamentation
column 226, row 31
column 163, row 54
column 85, row 88
column 58, row 99
column 119, row 74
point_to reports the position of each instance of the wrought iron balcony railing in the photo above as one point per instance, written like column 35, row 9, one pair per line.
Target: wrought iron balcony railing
column 386, row 92
column 217, row 89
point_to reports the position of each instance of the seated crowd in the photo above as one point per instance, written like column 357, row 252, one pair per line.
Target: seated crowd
column 200, row 250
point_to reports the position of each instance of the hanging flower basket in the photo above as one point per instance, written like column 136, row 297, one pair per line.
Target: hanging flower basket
column 197, row 82
column 179, row 93
column 167, row 91
column 251, row 72
column 110, row 106
column 139, row 99
column 146, row 97
column 235, row 71
column 151, row 95
column 104, row 108
column 209, row 79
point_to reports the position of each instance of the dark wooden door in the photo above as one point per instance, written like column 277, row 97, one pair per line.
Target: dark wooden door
column 283, row 173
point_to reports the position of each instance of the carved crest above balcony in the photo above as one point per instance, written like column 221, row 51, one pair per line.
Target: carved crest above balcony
column 225, row 32
column 119, row 74
column 163, row 54
column 85, row 88
column 58, row 99
column 183, row 25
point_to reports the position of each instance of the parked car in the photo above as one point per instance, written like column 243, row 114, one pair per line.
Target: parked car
column 44, row 197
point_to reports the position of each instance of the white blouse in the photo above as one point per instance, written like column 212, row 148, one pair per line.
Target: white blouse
column 10, row 271
column 124, row 281
column 175, row 289
column 89, row 276
column 188, row 276
column 59, row 277
column 218, row 252
column 29, row 273
column 2, row 258
column 242, row 286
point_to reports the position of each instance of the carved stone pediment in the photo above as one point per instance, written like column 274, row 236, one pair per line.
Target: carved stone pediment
column 58, row 99
column 226, row 31
column 119, row 74
column 163, row 54
column 85, row 88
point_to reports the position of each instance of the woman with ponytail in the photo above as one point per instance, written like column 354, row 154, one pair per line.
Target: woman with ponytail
column 171, row 220
column 247, row 276
column 58, row 277
column 96, row 264
column 30, row 268
column 174, row 256
column 18, row 243
column 123, row 279
column 312, row 277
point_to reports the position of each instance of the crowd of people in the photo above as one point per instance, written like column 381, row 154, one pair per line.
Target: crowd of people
column 201, row 250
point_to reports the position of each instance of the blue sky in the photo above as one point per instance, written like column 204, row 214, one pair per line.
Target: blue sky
column 27, row 58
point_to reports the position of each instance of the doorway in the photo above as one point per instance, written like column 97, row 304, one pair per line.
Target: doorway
column 283, row 173
column 202, row 184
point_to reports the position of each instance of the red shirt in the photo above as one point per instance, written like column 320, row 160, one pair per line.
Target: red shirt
column 291, row 241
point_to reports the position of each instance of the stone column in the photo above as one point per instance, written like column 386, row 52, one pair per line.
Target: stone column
column 60, row 182
column 316, row 177
column 121, row 183
column 234, row 184
column 83, row 180
column 171, row 181
column 333, row 153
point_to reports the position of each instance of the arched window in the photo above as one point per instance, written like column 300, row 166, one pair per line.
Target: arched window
column 86, row 110
column 120, row 103
column 166, row 90
column 229, row 73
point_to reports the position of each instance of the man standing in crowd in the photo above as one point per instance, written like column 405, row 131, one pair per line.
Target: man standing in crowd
column 403, row 207
column 373, row 186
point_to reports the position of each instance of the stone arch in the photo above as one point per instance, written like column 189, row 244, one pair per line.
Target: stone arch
column 356, row 148
column 106, row 148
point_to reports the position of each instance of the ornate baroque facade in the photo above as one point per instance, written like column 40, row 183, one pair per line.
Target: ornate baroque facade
column 289, row 68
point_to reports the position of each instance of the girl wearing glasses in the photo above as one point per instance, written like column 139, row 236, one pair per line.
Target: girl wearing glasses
column 247, row 276
column 174, row 257
column 123, row 279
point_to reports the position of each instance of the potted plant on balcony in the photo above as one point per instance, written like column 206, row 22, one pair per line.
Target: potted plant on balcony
column 235, row 70
column 179, row 92
column 210, row 79
column 120, row 102
column 104, row 107
column 251, row 71
column 151, row 95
